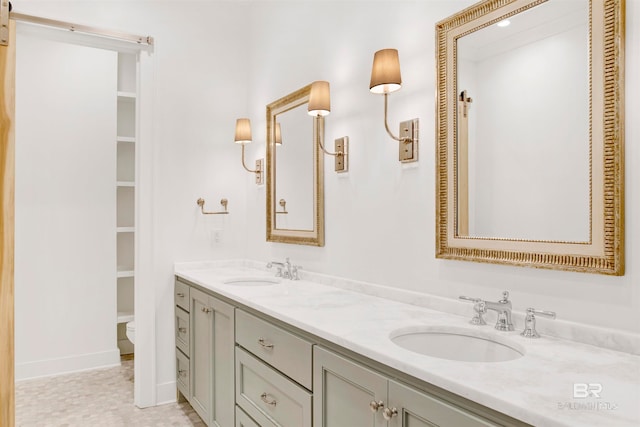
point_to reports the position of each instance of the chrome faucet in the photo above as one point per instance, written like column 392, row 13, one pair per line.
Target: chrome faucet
column 286, row 269
column 503, row 307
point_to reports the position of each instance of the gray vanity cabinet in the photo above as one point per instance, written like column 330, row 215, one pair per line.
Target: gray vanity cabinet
column 345, row 391
column 212, row 359
column 349, row 394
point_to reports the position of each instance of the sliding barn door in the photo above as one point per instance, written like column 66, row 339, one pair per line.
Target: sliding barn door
column 7, row 109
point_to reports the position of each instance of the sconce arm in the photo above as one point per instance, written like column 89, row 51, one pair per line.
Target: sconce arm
column 386, row 124
column 339, row 153
column 256, row 171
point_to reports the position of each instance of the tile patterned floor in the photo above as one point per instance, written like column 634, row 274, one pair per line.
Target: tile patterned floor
column 102, row 397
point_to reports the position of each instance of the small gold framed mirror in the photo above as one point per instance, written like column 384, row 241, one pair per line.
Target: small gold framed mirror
column 295, row 171
column 530, row 151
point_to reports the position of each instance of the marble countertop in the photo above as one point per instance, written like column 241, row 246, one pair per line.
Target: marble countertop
column 537, row 388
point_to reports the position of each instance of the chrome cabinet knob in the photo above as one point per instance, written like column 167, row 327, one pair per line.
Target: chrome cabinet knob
column 183, row 330
column 206, row 310
column 375, row 406
column 389, row 413
column 180, row 294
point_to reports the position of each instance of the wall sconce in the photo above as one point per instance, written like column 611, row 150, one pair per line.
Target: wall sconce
column 385, row 79
column 243, row 136
column 320, row 106
column 278, row 138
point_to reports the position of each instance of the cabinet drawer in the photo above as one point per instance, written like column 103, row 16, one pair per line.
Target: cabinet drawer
column 182, row 373
column 182, row 330
column 281, row 349
column 181, row 295
column 243, row 420
column 269, row 397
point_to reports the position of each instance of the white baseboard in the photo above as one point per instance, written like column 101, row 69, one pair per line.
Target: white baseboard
column 166, row 393
column 65, row 365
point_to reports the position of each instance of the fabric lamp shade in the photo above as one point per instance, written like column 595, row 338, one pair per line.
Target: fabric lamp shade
column 319, row 99
column 243, row 131
column 385, row 73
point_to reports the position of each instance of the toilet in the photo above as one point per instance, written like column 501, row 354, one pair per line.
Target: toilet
column 131, row 331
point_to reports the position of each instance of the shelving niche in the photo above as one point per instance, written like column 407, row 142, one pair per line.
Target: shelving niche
column 126, row 194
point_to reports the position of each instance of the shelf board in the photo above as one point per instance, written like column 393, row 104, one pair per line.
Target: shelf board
column 125, row 229
column 130, row 139
column 126, row 96
column 125, row 183
column 125, row 316
column 125, row 272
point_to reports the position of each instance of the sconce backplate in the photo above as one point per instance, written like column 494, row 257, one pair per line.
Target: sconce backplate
column 342, row 161
column 260, row 174
column 408, row 151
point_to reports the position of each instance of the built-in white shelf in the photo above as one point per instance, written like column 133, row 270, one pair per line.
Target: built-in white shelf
column 125, row 272
column 125, row 193
column 126, row 96
column 125, row 316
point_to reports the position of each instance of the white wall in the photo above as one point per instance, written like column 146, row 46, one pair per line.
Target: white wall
column 65, row 254
column 200, row 89
column 380, row 217
column 216, row 61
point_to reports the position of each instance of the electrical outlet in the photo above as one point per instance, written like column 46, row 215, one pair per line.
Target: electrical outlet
column 216, row 237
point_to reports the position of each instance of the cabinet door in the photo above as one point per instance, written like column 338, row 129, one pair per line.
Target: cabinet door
column 200, row 353
column 411, row 408
column 344, row 392
column 223, row 364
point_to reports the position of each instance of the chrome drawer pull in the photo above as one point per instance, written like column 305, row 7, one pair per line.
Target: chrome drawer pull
column 375, row 406
column 180, row 294
column 182, row 372
column 265, row 344
column 206, row 310
column 271, row 401
column 183, row 330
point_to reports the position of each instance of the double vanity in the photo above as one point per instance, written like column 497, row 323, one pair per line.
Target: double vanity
column 258, row 350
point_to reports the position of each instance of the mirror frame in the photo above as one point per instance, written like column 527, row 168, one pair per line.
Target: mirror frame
column 313, row 237
column 603, row 253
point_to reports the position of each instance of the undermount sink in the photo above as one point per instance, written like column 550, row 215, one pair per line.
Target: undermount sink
column 251, row 281
column 456, row 344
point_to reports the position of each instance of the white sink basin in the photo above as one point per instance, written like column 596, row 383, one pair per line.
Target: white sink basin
column 251, row 281
column 456, row 344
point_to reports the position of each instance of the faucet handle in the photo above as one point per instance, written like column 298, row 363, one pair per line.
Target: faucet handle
column 530, row 322
column 479, row 307
column 505, row 297
column 295, row 273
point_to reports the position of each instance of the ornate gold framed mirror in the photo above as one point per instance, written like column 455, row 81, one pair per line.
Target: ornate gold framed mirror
column 295, row 172
column 529, row 128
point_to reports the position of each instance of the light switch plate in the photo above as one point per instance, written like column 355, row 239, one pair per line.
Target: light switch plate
column 342, row 162
column 259, row 167
column 408, row 151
